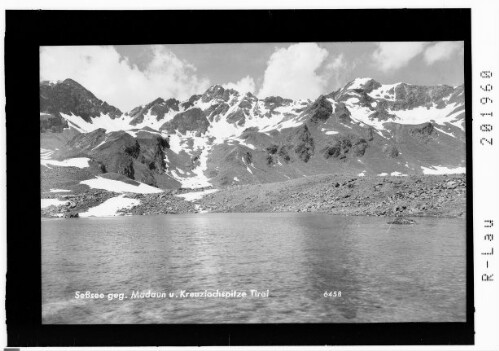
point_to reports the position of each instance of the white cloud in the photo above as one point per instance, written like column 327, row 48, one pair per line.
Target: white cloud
column 392, row 56
column 111, row 77
column 336, row 63
column 291, row 72
column 244, row 85
column 442, row 51
column 339, row 71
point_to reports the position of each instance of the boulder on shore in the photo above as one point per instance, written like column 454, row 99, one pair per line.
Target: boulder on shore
column 71, row 215
column 402, row 220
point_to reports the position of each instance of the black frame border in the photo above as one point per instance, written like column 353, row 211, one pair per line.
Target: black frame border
column 27, row 30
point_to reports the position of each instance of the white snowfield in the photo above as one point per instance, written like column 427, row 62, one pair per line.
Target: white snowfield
column 46, row 160
column 393, row 174
column 329, row 132
column 197, row 195
column 119, row 186
column 80, row 162
column 422, row 114
column 110, row 207
column 443, row 170
column 45, row 154
column 52, row 202
column 59, row 191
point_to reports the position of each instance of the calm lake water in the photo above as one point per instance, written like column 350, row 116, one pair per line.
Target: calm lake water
column 386, row 273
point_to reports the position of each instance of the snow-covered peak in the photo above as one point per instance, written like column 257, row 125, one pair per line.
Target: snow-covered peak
column 217, row 92
column 225, row 113
column 358, row 83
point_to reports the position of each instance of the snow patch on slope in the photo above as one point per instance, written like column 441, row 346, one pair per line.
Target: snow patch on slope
column 198, row 180
column 59, row 191
column 119, row 186
column 110, row 207
column 51, row 202
column 79, row 162
column 443, row 170
column 196, row 195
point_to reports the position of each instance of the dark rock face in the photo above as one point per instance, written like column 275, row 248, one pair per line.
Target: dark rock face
column 52, row 123
column 238, row 117
column 273, row 102
column 341, row 113
column 71, row 215
column 338, row 150
column 411, row 96
column 248, row 101
column 215, row 91
column 132, row 150
column 192, row 100
column 69, row 97
column 283, row 153
column 391, row 151
column 364, row 99
column 344, row 145
column 457, row 96
column 152, row 155
column 424, row 133
column 214, row 112
column 141, row 158
column 88, row 141
column 115, row 155
column 304, row 144
column 359, row 147
column 371, row 85
column 190, row 120
column 218, row 92
column 368, row 86
column 124, row 165
column 369, row 134
column 158, row 107
column 272, row 149
column 248, row 157
column 320, row 110
column 275, row 152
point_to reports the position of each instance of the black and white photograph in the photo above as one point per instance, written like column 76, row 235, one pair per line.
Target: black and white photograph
column 240, row 183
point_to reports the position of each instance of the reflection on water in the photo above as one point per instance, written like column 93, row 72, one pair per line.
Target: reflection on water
column 385, row 273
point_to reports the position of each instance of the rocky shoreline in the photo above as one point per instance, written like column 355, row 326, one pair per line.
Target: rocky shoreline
column 411, row 196
column 416, row 196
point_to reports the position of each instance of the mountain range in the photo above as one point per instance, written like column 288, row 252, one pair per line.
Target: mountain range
column 224, row 137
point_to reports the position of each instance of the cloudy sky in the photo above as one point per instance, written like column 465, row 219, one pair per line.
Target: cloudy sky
column 128, row 76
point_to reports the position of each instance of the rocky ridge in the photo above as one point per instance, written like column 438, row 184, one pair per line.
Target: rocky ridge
column 225, row 139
